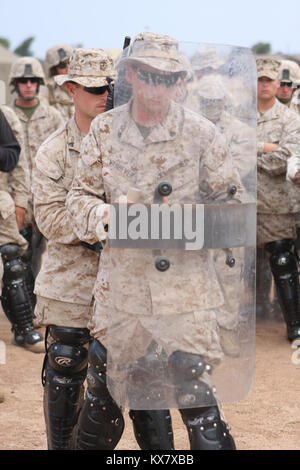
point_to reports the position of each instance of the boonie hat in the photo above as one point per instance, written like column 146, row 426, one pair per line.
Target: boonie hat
column 89, row 68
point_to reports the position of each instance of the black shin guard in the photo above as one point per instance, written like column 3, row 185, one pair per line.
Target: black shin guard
column 15, row 299
column 100, row 423
column 64, row 374
column 153, row 429
column 284, row 267
column 206, row 429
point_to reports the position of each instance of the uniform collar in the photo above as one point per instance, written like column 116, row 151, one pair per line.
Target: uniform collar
column 128, row 132
column 40, row 112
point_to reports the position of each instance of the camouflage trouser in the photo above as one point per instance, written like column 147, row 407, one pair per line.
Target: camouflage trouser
column 9, row 231
column 54, row 312
column 272, row 227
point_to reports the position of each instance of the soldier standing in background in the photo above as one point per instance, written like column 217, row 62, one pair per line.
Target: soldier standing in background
column 38, row 120
column 16, row 300
column 278, row 138
column 57, row 63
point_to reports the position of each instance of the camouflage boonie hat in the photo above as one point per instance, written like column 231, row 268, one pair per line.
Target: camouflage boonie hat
column 159, row 51
column 267, row 67
column 26, row 67
column 89, row 68
column 289, row 71
column 55, row 55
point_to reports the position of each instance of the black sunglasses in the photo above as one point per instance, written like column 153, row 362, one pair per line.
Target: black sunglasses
column 156, row 79
column 24, row 80
column 289, row 84
column 63, row 65
column 96, row 90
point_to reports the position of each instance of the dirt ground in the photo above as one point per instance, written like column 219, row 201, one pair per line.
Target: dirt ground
column 268, row 419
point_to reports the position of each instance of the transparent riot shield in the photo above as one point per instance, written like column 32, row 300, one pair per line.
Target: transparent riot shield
column 182, row 229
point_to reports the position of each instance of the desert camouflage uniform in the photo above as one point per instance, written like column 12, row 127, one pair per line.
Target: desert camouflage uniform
column 99, row 175
column 15, row 184
column 275, row 209
column 69, row 269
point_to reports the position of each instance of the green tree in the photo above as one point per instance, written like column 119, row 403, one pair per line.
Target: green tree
column 24, row 48
column 261, row 48
column 5, row 42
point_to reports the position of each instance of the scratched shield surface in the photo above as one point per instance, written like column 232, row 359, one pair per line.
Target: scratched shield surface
column 182, row 231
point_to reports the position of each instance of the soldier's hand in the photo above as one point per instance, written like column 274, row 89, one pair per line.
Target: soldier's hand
column 296, row 179
column 270, row 147
column 20, row 213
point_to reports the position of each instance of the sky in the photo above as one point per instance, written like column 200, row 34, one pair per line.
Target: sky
column 98, row 23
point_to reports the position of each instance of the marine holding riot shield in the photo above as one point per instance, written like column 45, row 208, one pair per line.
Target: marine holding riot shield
column 157, row 185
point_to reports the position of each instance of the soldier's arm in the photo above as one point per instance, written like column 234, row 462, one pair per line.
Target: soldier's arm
column 49, row 196
column 86, row 199
column 18, row 180
column 275, row 161
column 9, row 146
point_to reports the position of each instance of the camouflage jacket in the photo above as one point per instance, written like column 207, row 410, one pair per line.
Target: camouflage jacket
column 278, row 125
column 69, row 269
column 37, row 129
column 17, row 181
column 185, row 150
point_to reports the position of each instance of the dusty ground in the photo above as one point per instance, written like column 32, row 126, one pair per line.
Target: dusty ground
column 268, row 419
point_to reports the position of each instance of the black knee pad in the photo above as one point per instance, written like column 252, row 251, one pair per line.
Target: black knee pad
column 67, row 354
column 186, row 370
column 100, row 424
column 283, row 259
column 15, row 298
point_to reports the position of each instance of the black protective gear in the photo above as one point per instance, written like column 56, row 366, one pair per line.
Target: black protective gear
column 27, row 259
column 100, row 423
column 284, row 267
column 153, row 429
column 15, row 298
column 64, row 372
column 206, row 429
column 185, row 369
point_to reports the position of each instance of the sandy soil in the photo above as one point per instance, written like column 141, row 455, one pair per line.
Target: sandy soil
column 268, row 419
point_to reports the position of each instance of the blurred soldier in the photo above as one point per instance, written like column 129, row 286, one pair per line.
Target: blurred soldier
column 211, row 97
column 138, row 145
column 16, row 186
column 38, row 120
column 57, row 63
column 278, row 140
column 15, row 299
column 289, row 72
column 9, row 156
column 64, row 286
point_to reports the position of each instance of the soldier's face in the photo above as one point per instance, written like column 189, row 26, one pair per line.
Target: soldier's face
column 285, row 90
column 151, row 90
column 267, row 88
column 88, row 104
column 27, row 88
